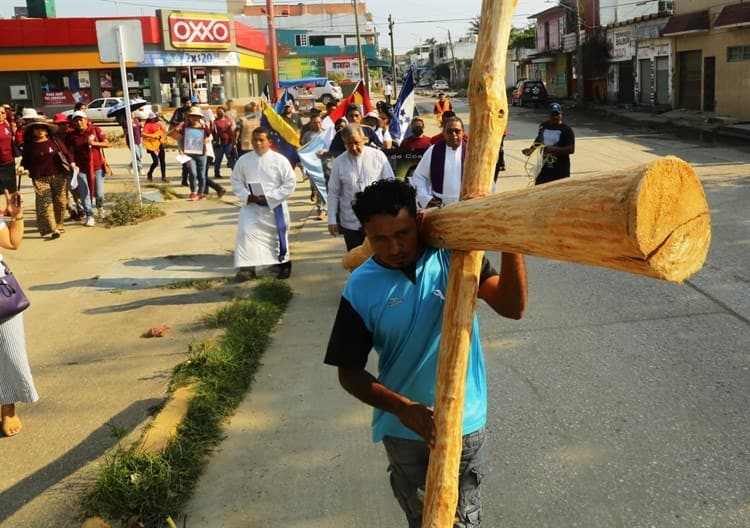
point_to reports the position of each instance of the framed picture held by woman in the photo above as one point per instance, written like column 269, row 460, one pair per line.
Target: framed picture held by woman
column 195, row 139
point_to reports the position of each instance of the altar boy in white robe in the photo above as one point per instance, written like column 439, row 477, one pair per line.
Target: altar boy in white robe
column 262, row 180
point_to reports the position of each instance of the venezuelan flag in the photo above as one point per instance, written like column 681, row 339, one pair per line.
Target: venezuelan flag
column 284, row 138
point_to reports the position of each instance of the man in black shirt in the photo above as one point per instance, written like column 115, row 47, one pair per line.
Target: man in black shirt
column 559, row 143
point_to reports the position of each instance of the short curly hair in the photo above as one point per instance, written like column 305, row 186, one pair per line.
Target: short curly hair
column 384, row 197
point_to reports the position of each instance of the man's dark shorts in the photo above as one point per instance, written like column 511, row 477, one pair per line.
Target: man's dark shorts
column 408, row 461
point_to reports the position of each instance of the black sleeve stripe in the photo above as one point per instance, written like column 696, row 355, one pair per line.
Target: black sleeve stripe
column 487, row 270
column 350, row 341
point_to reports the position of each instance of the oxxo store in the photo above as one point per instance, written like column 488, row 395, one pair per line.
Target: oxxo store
column 52, row 63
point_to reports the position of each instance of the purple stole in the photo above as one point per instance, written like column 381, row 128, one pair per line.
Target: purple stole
column 437, row 164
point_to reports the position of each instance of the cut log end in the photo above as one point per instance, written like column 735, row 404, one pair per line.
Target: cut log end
column 684, row 251
column 673, row 225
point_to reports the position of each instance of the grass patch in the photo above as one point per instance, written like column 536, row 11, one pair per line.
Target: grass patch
column 198, row 284
column 153, row 487
column 125, row 209
column 165, row 190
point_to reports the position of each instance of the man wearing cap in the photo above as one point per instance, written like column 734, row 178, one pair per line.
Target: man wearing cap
column 558, row 142
column 291, row 117
column 354, row 115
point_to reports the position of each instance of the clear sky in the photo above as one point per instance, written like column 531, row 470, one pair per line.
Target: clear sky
column 415, row 20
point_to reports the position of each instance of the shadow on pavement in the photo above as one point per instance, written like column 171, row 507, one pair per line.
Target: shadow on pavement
column 100, row 440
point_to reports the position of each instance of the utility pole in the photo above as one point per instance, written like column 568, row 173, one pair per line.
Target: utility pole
column 274, row 55
column 580, row 82
column 453, row 58
column 393, row 57
column 359, row 47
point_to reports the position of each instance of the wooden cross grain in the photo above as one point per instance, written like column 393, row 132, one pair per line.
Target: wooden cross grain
column 651, row 219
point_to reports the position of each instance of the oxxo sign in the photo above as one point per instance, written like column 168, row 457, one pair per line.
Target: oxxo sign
column 187, row 30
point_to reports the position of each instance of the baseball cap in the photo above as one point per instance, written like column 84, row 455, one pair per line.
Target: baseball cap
column 555, row 108
column 78, row 113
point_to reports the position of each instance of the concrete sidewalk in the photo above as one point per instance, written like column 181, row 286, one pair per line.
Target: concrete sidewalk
column 297, row 452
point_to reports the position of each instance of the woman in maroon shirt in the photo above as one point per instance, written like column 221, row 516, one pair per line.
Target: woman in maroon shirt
column 40, row 158
column 223, row 134
column 7, row 160
column 85, row 141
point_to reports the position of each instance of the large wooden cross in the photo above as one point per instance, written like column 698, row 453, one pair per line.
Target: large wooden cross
column 652, row 220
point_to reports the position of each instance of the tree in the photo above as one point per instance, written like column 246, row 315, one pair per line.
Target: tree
column 474, row 26
column 385, row 54
column 430, row 41
column 522, row 38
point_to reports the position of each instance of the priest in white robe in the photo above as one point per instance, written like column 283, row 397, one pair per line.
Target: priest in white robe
column 262, row 180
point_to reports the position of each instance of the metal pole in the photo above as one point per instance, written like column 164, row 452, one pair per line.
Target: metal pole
column 128, row 114
column 274, row 53
column 579, row 57
column 393, row 57
column 453, row 58
column 359, row 47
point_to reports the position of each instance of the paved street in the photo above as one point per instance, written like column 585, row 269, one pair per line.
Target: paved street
column 618, row 401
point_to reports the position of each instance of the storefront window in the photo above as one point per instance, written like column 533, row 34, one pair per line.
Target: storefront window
column 65, row 88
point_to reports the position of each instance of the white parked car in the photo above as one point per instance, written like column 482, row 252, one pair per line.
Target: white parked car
column 97, row 109
column 322, row 89
column 440, row 85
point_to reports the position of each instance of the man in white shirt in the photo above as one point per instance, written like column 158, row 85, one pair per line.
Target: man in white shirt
column 437, row 177
column 352, row 171
column 262, row 180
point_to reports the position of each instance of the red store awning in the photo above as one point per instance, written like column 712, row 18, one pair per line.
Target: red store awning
column 688, row 23
column 734, row 16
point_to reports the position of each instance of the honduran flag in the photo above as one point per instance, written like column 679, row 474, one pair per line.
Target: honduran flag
column 284, row 138
column 399, row 126
column 286, row 96
column 308, row 156
column 359, row 96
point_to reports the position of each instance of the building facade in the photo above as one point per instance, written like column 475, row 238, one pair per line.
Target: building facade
column 711, row 53
column 51, row 63
column 318, row 40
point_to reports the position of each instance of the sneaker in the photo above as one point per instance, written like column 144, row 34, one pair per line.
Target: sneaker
column 193, row 197
column 55, row 234
column 89, row 222
column 165, row 180
column 221, row 192
column 84, row 219
column 184, row 183
column 149, row 178
column 201, row 196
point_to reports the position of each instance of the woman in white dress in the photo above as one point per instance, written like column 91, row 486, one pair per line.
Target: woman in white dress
column 16, row 383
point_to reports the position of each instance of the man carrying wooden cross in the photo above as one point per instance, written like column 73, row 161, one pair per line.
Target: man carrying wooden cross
column 394, row 303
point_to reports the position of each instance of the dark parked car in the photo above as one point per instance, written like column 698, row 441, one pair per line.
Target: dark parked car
column 529, row 92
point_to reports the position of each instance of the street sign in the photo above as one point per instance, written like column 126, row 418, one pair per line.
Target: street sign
column 132, row 40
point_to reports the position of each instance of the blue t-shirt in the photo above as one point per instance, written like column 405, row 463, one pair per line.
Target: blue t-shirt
column 401, row 319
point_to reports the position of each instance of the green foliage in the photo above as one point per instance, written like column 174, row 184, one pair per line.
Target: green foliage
column 596, row 53
column 522, row 38
column 125, row 209
column 154, row 486
column 474, row 25
column 198, row 284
